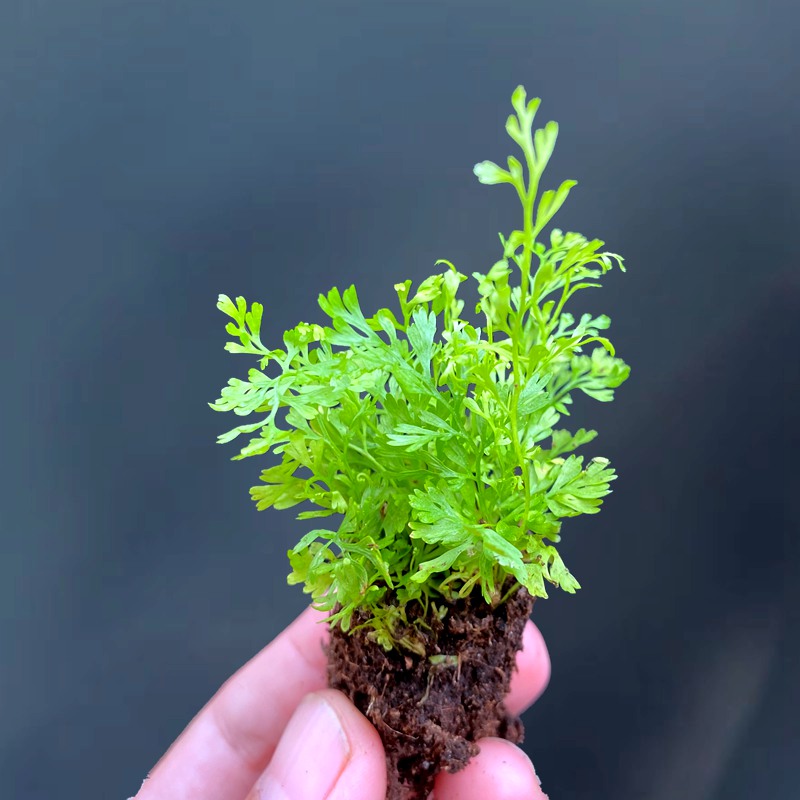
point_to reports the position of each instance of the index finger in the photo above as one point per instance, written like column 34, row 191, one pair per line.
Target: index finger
column 532, row 674
column 229, row 743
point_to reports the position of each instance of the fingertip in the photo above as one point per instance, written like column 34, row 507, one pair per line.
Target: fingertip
column 313, row 615
column 501, row 771
column 314, row 622
column 533, row 670
column 309, row 634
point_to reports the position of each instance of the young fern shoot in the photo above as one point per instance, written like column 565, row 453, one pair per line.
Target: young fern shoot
column 430, row 440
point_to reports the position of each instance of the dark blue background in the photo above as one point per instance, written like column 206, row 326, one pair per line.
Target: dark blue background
column 154, row 154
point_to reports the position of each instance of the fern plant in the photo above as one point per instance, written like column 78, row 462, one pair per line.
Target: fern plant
column 426, row 439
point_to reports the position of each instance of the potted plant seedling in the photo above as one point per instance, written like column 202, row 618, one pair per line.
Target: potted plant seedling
column 428, row 441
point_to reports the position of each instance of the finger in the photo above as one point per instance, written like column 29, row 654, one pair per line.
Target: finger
column 228, row 745
column 329, row 751
column 533, row 671
column 500, row 771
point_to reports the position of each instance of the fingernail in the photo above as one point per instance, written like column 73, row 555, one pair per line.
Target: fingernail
column 533, row 769
column 535, row 774
column 520, row 753
column 310, row 757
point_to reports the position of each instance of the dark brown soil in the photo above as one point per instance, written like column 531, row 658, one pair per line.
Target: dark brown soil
column 430, row 713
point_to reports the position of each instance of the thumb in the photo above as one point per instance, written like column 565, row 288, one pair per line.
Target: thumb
column 328, row 751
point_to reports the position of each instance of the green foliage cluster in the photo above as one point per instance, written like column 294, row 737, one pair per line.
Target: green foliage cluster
column 432, row 441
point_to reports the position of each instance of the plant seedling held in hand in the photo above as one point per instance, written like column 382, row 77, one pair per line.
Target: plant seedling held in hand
column 432, row 439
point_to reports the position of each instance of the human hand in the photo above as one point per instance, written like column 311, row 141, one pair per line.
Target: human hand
column 275, row 732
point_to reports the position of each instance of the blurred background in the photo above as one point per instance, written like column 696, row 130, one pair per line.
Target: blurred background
column 155, row 154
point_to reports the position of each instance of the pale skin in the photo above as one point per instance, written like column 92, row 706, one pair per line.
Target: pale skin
column 275, row 732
